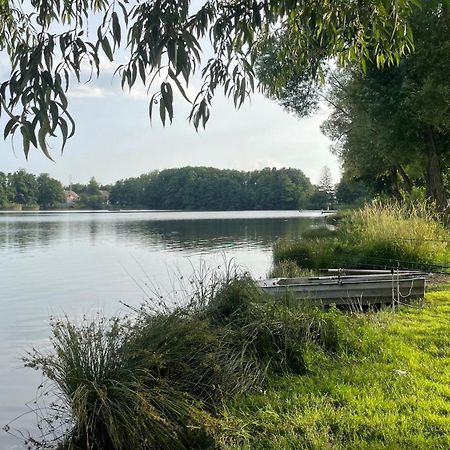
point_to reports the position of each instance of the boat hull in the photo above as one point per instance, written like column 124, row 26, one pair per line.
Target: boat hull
column 359, row 290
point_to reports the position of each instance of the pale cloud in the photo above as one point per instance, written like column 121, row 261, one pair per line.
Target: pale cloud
column 88, row 91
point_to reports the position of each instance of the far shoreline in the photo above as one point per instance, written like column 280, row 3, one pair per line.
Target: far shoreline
column 115, row 211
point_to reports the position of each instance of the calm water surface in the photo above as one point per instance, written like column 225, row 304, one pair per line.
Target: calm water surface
column 82, row 263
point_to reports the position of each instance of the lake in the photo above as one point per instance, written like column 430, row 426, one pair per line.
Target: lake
column 82, row 263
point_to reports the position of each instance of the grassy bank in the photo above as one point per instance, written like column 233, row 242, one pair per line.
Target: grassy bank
column 387, row 388
column 238, row 372
column 376, row 236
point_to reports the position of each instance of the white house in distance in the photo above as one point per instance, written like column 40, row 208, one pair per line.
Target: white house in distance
column 71, row 197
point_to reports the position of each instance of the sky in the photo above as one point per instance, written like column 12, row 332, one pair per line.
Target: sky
column 114, row 138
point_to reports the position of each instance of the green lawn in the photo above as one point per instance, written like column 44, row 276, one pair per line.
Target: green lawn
column 388, row 387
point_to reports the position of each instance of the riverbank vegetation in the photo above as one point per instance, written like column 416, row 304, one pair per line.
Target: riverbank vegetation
column 234, row 370
column 378, row 235
column 24, row 190
column 159, row 379
column 207, row 188
column 185, row 188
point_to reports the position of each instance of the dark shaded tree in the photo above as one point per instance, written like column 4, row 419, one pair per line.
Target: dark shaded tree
column 350, row 191
column 50, row 191
column 393, row 124
column 207, row 188
column 24, row 188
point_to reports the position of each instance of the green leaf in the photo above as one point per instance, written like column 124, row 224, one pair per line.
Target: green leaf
column 116, row 31
column 65, row 132
column 167, row 95
column 42, row 134
column 26, row 141
column 179, row 86
column 142, row 73
column 9, row 126
column 31, row 134
column 55, row 115
column 107, row 48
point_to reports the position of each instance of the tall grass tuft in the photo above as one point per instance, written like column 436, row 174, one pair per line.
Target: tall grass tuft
column 407, row 232
column 112, row 402
column 156, row 380
column 377, row 235
column 290, row 269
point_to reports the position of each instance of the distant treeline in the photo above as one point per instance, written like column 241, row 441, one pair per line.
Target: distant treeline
column 187, row 188
column 207, row 188
column 22, row 189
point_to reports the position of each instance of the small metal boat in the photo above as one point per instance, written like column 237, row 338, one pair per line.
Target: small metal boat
column 361, row 289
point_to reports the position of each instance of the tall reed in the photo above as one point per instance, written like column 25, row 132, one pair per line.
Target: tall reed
column 407, row 232
column 377, row 235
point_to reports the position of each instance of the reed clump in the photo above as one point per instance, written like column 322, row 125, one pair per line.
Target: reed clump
column 156, row 379
column 376, row 236
column 290, row 269
column 404, row 232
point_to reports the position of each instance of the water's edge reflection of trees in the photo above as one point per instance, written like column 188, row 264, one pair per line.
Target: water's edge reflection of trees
column 206, row 234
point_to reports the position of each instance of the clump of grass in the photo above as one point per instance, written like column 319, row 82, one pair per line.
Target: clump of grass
column 105, row 392
column 313, row 254
column 156, row 380
column 290, row 269
column 319, row 233
column 377, row 235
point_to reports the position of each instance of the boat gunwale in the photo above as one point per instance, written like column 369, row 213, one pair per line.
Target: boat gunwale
column 337, row 282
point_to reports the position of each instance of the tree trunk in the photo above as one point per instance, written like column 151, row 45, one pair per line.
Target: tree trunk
column 407, row 184
column 394, row 185
column 435, row 185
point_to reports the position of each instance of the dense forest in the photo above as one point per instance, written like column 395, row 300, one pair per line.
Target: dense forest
column 207, row 188
column 27, row 190
column 186, row 188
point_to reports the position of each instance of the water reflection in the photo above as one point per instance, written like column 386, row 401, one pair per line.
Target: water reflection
column 188, row 233
column 24, row 236
column 208, row 235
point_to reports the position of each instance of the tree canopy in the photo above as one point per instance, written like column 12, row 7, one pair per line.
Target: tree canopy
column 27, row 190
column 48, row 43
column 208, row 188
column 396, row 121
column 390, row 125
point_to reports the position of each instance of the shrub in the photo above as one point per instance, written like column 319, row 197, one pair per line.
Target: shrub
column 110, row 399
column 154, row 381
